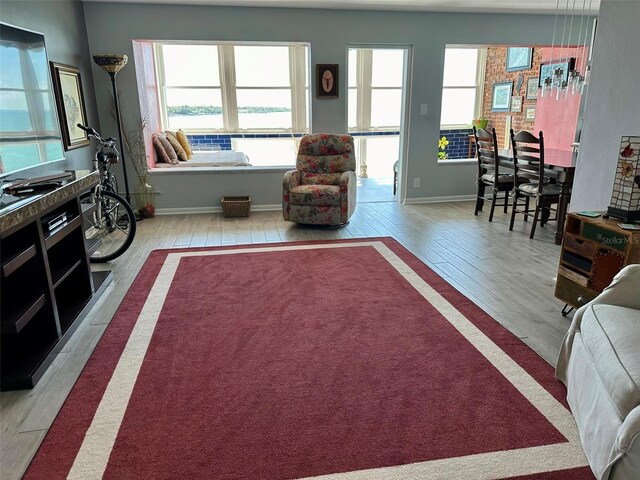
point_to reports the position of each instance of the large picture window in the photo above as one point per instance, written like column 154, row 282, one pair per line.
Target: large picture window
column 233, row 88
column 462, row 86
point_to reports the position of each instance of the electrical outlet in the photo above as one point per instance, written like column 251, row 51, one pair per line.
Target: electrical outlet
column 416, row 183
column 423, row 109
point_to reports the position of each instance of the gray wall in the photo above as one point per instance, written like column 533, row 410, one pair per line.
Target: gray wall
column 62, row 23
column 613, row 103
column 111, row 27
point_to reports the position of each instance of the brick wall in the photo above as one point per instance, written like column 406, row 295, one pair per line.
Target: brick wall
column 496, row 72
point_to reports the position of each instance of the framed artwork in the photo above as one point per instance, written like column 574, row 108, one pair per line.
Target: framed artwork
column 501, row 98
column 327, row 80
column 532, row 88
column 516, row 104
column 519, row 58
column 67, row 87
column 547, row 69
column 530, row 113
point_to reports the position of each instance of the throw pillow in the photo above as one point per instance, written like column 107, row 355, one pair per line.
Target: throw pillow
column 182, row 138
column 182, row 155
column 164, row 155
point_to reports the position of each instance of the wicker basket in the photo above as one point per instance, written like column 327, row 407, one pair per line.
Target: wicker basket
column 233, row 207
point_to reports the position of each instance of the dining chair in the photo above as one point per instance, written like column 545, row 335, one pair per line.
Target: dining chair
column 528, row 163
column 489, row 175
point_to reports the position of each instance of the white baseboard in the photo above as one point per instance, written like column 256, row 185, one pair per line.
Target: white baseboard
column 452, row 198
column 212, row 209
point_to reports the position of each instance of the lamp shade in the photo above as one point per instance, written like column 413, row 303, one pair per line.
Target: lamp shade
column 625, row 200
column 111, row 62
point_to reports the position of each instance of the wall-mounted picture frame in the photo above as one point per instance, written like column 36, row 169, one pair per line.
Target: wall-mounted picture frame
column 519, row 58
column 547, row 69
column 501, row 97
column 529, row 113
column 516, row 104
column 532, row 88
column 67, row 87
column 327, row 80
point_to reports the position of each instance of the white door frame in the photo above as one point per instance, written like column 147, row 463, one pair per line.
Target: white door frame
column 406, row 106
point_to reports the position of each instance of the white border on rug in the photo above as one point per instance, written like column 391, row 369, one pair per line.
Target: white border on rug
column 93, row 456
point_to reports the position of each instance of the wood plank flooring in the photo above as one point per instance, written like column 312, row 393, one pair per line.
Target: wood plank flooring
column 505, row 273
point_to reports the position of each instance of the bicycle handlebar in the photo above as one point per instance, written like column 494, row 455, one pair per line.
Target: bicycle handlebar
column 110, row 142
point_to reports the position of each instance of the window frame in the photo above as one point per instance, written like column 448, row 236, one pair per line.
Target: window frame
column 479, row 85
column 299, row 75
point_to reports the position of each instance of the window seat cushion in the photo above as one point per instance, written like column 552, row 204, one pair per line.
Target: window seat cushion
column 217, row 158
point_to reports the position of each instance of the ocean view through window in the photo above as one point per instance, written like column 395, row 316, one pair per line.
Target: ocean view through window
column 229, row 95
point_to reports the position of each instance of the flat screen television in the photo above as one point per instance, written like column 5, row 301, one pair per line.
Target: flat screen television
column 29, row 128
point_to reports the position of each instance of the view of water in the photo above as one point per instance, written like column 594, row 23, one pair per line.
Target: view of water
column 246, row 120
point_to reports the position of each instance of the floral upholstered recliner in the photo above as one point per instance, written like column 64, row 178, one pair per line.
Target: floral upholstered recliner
column 322, row 189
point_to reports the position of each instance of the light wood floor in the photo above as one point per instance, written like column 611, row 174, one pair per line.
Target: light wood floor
column 505, row 273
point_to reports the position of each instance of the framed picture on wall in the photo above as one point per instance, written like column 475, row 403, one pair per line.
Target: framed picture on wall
column 501, row 98
column 327, row 80
column 516, row 104
column 519, row 58
column 532, row 88
column 67, row 87
column 547, row 69
column 530, row 113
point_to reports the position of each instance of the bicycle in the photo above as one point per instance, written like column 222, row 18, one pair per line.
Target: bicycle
column 111, row 223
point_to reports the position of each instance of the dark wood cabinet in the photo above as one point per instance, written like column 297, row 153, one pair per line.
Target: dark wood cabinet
column 46, row 282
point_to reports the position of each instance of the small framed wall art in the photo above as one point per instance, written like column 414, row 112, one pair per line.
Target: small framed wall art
column 532, row 88
column 70, row 104
column 501, row 98
column 519, row 58
column 516, row 104
column 530, row 113
column 327, row 80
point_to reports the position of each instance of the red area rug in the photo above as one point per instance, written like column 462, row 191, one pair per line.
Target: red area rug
column 345, row 360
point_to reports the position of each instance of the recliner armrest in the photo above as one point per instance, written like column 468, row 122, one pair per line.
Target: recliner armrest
column 291, row 179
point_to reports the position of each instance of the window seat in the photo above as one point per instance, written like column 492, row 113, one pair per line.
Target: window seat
column 216, row 158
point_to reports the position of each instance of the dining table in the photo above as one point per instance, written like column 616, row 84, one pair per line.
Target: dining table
column 559, row 167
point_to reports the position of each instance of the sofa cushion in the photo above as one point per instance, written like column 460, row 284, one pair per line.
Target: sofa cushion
column 611, row 336
column 315, row 195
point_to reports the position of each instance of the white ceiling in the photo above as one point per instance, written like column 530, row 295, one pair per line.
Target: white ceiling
column 488, row 6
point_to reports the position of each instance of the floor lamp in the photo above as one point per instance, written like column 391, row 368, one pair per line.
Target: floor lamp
column 112, row 63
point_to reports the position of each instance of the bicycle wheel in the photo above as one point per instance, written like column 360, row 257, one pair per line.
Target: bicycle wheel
column 112, row 227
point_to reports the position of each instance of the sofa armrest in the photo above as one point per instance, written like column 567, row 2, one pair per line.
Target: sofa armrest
column 624, row 291
column 348, row 190
column 624, row 459
column 291, row 179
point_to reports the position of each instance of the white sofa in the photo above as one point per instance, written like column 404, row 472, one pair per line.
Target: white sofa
column 599, row 363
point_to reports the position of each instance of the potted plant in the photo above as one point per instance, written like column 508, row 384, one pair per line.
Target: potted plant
column 480, row 122
column 137, row 155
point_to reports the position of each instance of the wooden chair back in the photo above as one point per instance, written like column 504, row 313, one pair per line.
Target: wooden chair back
column 486, row 151
column 528, row 157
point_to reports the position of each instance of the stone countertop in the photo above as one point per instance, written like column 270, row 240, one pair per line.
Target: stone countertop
column 34, row 205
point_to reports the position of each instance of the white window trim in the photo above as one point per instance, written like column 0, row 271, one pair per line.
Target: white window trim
column 298, row 67
column 481, row 67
